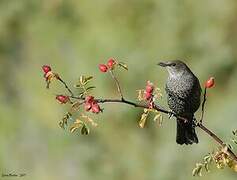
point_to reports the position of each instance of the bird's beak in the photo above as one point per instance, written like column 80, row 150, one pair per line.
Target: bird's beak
column 164, row 64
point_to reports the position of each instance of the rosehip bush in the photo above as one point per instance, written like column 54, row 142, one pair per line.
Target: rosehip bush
column 83, row 104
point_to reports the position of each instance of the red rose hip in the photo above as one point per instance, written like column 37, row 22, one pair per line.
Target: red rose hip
column 89, row 99
column 62, row 99
column 87, row 106
column 147, row 95
column 210, row 82
column 149, row 88
column 46, row 68
column 111, row 62
column 103, row 68
column 95, row 108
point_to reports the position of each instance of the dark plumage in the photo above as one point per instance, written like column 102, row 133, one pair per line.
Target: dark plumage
column 183, row 91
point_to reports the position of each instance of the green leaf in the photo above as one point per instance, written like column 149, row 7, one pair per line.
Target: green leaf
column 234, row 141
column 65, row 119
column 123, row 65
column 234, row 132
column 82, row 79
column 84, row 130
column 89, row 78
column 61, row 124
column 82, row 94
column 90, row 88
column 78, row 86
column 206, row 166
column 197, row 171
column 230, row 146
column 208, row 158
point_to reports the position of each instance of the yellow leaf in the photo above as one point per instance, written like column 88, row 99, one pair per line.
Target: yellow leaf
column 90, row 120
column 143, row 119
column 159, row 119
column 140, row 95
column 234, row 167
column 225, row 149
column 73, row 129
column 77, row 124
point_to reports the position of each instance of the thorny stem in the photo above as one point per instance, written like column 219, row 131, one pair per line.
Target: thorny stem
column 158, row 108
column 203, row 104
column 117, row 84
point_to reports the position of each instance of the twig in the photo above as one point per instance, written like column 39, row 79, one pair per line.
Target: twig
column 217, row 139
column 64, row 83
column 117, row 84
column 203, row 104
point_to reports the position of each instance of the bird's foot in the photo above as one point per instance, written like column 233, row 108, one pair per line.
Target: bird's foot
column 195, row 122
column 170, row 114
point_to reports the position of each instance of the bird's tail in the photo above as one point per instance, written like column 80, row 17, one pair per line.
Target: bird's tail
column 186, row 132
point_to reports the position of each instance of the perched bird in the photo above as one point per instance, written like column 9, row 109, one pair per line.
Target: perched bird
column 183, row 93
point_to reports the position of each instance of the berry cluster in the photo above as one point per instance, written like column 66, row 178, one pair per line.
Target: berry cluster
column 148, row 93
column 110, row 65
column 49, row 75
column 92, row 105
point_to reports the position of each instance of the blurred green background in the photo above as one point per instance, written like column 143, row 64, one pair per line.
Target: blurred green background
column 74, row 36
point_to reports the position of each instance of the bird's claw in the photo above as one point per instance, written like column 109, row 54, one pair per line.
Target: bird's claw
column 170, row 114
column 195, row 122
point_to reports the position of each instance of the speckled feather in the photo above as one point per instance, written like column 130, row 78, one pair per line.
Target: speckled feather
column 183, row 95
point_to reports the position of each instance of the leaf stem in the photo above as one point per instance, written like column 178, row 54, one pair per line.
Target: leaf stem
column 66, row 86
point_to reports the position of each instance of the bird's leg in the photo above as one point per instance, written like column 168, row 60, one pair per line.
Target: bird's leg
column 170, row 114
column 195, row 122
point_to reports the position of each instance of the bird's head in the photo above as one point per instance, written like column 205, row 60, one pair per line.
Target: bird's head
column 175, row 68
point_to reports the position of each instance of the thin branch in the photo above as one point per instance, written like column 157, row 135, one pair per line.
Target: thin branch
column 217, row 139
column 65, row 84
column 203, row 104
column 158, row 108
column 117, row 84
